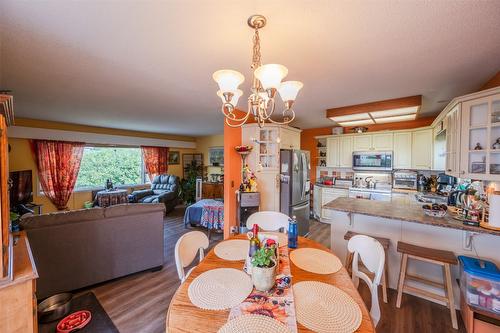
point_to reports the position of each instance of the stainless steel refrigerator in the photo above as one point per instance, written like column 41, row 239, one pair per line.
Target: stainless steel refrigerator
column 295, row 170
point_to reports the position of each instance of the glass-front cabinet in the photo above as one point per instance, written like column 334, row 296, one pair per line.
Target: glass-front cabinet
column 480, row 139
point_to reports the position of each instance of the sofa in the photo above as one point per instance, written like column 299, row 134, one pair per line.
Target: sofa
column 76, row 249
column 164, row 189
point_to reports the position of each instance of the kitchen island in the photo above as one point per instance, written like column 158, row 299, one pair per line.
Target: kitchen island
column 408, row 223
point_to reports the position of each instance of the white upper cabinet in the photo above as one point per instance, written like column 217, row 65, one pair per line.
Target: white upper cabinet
column 402, row 150
column 367, row 142
column 382, row 141
column 362, row 143
column 345, row 152
column 332, row 152
column 479, row 153
column 289, row 138
column 422, row 149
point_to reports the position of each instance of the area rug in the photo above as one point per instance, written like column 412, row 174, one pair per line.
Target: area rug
column 100, row 323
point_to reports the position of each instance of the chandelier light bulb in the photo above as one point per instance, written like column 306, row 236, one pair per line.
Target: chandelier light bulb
column 288, row 90
column 228, row 80
column 234, row 99
column 270, row 75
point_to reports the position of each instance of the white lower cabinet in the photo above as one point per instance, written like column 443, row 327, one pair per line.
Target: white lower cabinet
column 329, row 194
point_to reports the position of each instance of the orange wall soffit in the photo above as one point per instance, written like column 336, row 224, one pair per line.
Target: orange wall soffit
column 493, row 82
column 375, row 106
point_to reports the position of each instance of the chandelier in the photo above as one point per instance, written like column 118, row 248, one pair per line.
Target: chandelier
column 266, row 83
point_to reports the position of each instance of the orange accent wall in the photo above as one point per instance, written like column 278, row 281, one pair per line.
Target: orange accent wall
column 232, row 176
column 307, row 142
column 492, row 83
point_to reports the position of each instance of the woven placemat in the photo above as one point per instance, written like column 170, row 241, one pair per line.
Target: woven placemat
column 324, row 308
column 282, row 237
column 234, row 249
column 315, row 261
column 253, row 324
column 220, row 289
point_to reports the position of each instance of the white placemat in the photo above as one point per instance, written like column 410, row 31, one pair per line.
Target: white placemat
column 220, row 289
column 234, row 249
column 324, row 308
column 315, row 261
column 253, row 324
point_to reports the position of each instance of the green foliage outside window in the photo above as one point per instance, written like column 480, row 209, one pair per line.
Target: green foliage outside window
column 122, row 165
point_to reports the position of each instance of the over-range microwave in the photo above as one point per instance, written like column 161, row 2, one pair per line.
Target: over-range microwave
column 372, row 160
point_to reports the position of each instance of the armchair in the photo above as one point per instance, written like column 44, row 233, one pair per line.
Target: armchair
column 164, row 189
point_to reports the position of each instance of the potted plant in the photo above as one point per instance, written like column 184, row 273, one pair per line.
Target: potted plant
column 264, row 269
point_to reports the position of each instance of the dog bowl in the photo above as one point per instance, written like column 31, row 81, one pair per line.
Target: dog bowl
column 55, row 307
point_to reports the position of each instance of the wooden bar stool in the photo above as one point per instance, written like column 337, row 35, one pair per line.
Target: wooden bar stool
column 385, row 244
column 438, row 257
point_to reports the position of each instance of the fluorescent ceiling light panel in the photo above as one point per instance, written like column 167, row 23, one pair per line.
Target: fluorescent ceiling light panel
column 351, row 117
column 395, row 119
column 394, row 112
column 356, row 123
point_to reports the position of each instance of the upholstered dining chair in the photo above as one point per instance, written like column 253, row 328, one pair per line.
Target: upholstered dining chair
column 186, row 248
column 268, row 221
column 372, row 256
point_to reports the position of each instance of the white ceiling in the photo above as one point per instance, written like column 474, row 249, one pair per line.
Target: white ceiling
column 147, row 65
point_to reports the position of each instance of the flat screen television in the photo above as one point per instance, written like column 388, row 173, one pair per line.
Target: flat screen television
column 21, row 187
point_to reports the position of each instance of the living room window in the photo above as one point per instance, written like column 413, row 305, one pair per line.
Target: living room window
column 123, row 165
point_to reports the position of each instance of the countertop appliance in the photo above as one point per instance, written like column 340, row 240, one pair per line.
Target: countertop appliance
column 372, row 160
column 445, row 183
column 295, row 168
column 405, row 179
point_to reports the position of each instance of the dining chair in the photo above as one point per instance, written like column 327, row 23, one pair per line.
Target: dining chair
column 268, row 221
column 372, row 257
column 186, row 248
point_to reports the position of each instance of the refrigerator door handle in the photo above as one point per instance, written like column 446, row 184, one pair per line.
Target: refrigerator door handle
column 304, row 175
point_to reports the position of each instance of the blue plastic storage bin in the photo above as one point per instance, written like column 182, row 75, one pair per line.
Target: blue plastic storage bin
column 480, row 283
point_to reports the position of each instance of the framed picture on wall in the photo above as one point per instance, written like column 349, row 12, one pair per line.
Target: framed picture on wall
column 216, row 156
column 174, row 157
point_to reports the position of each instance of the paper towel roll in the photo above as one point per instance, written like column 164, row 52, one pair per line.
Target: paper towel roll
column 495, row 209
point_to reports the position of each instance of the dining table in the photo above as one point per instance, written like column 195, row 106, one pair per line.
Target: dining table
column 184, row 316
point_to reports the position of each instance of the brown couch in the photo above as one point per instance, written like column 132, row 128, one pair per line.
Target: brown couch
column 80, row 248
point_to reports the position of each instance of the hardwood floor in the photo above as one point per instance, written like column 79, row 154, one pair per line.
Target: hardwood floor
column 139, row 302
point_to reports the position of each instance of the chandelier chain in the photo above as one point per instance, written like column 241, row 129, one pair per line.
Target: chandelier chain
column 256, row 50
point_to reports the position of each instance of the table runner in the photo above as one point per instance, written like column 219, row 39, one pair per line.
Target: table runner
column 278, row 303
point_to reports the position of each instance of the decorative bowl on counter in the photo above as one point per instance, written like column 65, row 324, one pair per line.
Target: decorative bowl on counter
column 435, row 210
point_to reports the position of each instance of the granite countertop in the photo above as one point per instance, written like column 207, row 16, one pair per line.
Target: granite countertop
column 409, row 212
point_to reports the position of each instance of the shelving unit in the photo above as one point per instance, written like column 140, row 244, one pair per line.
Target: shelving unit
column 480, row 128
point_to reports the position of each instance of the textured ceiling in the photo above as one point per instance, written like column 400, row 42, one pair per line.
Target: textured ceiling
column 147, row 65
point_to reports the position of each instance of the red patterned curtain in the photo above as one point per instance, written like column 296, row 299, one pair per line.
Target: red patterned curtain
column 58, row 163
column 155, row 160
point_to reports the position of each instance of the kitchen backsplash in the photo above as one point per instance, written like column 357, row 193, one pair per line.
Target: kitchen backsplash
column 324, row 172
